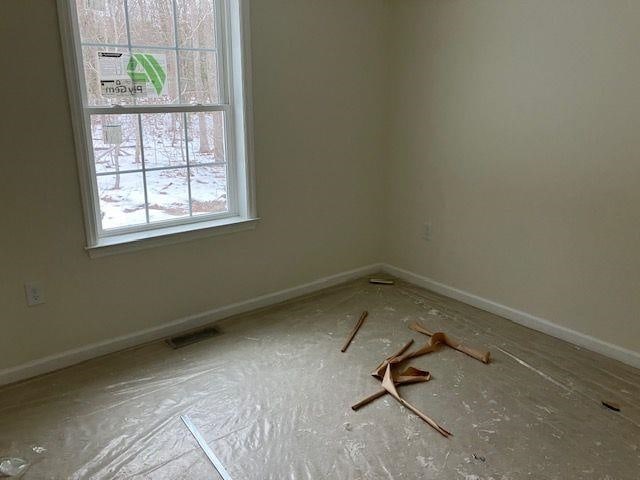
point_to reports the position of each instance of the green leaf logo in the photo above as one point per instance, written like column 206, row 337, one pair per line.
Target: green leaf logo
column 151, row 72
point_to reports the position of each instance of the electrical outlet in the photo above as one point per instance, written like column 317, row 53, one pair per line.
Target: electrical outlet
column 427, row 231
column 34, row 292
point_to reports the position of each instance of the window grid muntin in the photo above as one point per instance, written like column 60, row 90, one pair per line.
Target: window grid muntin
column 187, row 219
column 155, row 108
column 223, row 76
column 146, row 47
column 175, row 39
column 158, row 169
column 186, row 148
column 144, row 169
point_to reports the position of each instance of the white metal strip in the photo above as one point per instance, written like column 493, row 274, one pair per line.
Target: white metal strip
column 205, row 448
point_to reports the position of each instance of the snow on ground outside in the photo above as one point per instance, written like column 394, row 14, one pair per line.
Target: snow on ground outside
column 168, row 190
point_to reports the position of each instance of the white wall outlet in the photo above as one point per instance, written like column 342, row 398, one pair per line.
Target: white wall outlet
column 427, row 231
column 34, row 292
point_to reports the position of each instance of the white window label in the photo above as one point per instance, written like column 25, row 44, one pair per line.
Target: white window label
column 112, row 134
column 98, row 5
column 136, row 74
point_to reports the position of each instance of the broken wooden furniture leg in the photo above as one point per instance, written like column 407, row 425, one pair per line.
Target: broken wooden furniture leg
column 386, row 361
column 410, row 375
column 354, row 331
column 388, row 385
column 484, row 357
column 431, row 346
column 381, row 281
column 611, row 405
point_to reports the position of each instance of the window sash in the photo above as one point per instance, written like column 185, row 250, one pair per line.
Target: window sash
column 135, row 46
column 222, row 27
column 224, row 79
column 231, row 176
column 169, row 108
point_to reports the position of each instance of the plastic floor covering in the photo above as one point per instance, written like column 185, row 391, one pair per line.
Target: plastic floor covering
column 272, row 397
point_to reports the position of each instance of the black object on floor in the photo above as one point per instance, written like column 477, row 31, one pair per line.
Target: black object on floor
column 611, row 405
column 192, row 337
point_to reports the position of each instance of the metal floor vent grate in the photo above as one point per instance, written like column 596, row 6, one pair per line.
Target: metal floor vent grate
column 192, row 337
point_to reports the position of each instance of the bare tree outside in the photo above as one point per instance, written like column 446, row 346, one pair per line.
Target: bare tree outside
column 154, row 167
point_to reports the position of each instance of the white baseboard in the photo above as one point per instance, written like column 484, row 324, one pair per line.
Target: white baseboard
column 72, row 357
column 536, row 323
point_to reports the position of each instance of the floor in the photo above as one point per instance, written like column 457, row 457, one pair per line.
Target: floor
column 271, row 395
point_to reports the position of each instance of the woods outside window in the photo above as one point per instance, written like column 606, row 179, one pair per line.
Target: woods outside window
column 159, row 92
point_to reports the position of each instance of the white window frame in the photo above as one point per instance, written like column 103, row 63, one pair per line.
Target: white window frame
column 236, row 102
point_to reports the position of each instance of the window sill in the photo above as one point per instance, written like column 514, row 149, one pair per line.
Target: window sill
column 168, row 236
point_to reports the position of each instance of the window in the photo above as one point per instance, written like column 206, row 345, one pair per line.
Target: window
column 160, row 103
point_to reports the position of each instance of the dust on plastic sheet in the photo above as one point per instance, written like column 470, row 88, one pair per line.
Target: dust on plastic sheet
column 272, row 395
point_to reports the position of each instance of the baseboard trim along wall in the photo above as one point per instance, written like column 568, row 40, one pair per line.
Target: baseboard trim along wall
column 536, row 323
column 78, row 355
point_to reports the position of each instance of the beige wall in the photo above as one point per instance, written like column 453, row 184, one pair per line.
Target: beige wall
column 318, row 81
column 517, row 134
column 513, row 128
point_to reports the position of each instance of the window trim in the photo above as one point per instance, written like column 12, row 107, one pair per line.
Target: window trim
column 237, row 87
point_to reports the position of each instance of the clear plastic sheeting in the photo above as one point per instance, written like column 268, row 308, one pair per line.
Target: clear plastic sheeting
column 272, row 395
column 12, row 467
